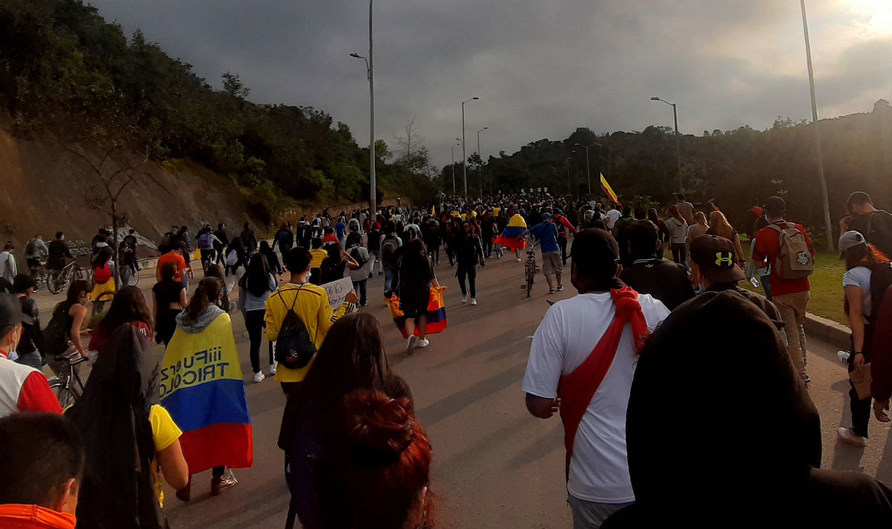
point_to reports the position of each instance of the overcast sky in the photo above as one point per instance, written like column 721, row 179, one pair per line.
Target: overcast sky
column 541, row 68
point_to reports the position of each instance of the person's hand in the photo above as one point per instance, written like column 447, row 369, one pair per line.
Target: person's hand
column 352, row 297
column 879, row 407
column 858, row 361
column 555, row 407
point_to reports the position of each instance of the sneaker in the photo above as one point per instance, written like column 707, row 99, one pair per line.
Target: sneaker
column 259, row 376
column 551, row 291
column 847, row 436
column 518, row 259
column 423, row 343
column 473, row 301
column 222, row 484
column 560, row 288
column 272, row 368
column 411, row 344
column 464, row 299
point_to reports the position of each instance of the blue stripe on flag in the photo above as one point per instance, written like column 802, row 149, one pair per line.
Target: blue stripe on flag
column 220, row 401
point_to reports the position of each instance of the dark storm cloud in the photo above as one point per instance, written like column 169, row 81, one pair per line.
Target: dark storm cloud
column 540, row 68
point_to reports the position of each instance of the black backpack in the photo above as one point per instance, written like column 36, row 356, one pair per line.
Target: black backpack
column 357, row 256
column 294, row 347
column 879, row 231
column 880, row 281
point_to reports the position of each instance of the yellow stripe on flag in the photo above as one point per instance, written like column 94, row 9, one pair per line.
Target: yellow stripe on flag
column 609, row 190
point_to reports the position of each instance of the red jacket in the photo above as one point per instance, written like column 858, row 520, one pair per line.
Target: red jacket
column 768, row 246
column 15, row 516
column 24, row 388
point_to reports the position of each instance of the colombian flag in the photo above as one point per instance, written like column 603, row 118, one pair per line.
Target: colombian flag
column 436, row 313
column 605, row 187
column 201, row 386
column 509, row 238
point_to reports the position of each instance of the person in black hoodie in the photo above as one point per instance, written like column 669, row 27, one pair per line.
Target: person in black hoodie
column 649, row 273
column 753, row 458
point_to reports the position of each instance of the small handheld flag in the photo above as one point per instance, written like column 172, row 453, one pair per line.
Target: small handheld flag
column 605, row 187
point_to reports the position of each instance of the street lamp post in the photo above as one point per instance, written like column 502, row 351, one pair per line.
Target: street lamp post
column 464, row 156
column 588, row 169
column 370, row 70
column 568, row 171
column 828, row 226
column 677, row 139
column 480, row 165
column 452, row 151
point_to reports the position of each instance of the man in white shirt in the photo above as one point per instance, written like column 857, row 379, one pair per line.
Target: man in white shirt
column 588, row 346
column 613, row 215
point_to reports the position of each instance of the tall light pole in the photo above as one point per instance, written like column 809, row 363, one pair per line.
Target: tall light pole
column 588, row 169
column 479, row 165
column 814, row 113
column 568, row 158
column 677, row 140
column 452, row 150
column 464, row 156
column 370, row 70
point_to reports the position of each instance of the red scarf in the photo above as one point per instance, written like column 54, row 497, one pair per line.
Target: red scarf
column 576, row 389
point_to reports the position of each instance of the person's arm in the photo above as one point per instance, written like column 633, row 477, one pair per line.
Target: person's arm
column 36, row 395
column 155, row 304
column 761, row 252
column 541, row 407
column 855, row 297
column 569, row 225
column 79, row 315
column 174, row 467
column 543, row 372
column 351, row 262
column 272, row 324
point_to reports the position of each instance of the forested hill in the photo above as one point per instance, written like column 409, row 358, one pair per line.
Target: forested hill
column 68, row 74
column 739, row 168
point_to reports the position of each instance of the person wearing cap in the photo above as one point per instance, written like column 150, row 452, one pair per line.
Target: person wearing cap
column 755, row 458
column 590, row 387
column 789, row 295
column 868, row 275
column 651, row 274
column 714, row 256
column 552, row 266
column 22, row 388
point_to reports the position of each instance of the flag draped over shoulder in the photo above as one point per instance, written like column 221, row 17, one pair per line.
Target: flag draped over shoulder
column 201, row 386
column 605, row 187
column 510, row 236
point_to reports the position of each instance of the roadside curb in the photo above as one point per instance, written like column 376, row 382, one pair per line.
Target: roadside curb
column 828, row 330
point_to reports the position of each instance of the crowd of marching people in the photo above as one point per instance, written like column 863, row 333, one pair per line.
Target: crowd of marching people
column 355, row 454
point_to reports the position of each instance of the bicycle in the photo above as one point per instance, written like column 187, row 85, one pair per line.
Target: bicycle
column 38, row 273
column 67, row 385
column 58, row 280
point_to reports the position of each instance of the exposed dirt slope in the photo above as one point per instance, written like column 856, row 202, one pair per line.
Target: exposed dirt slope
column 43, row 186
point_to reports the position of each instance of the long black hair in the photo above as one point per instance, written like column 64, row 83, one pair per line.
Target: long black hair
column 256, row 278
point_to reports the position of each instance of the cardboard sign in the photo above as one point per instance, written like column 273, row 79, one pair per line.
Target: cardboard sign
column 337, row 291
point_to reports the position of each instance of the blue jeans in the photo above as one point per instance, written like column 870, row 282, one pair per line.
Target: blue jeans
column 388, row 279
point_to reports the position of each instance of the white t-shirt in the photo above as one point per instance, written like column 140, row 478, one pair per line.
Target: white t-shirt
column 860, row 277
column 612, row 216
column 599, row 469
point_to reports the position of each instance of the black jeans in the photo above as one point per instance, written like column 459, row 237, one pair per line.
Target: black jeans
column 680, row 254
column 487, row 245
column 254, row 324
column 471, row 272
column 359, row 287
column 562, row 242
column 860, row 408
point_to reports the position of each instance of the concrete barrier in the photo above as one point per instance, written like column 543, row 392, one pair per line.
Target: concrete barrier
column 828, row 330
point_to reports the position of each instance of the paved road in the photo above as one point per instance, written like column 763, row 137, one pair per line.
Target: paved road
column 495, row 466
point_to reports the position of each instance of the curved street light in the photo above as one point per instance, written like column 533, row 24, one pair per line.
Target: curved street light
column 677, row 140
column 370, row 72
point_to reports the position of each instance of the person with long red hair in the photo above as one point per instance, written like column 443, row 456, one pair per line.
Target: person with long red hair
column 375, row 472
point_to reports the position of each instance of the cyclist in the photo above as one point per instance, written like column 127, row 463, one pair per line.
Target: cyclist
column 68, row 316
column 35, row 251
column 57, row 253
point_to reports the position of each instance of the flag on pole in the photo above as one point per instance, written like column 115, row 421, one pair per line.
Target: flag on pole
column 605, row 187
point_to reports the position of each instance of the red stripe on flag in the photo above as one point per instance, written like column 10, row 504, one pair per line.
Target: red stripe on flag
column 217, row 445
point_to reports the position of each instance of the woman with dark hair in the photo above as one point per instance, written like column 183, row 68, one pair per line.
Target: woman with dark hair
column 30, row 348
column 416, row 276
column 68, row 318
column 375, row 470
column 865, row 265
column 168, row 299
column 212, row 410
column 235, row 256
column 129, row 306
column 215, row 271
column 468, row 254
column 103, row 279
column 662, row 229
column 130, row 443
column 254, row 287
column 351, row 357
column 271, row 258
column 333, row 266
column 678, row 236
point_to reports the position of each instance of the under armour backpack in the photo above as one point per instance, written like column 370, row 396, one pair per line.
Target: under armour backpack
column 795, row 260
column 294, row 347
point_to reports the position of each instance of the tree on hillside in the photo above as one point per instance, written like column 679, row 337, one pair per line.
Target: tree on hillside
column 233, row 86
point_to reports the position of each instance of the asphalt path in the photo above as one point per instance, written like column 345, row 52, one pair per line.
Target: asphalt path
column 494, row 464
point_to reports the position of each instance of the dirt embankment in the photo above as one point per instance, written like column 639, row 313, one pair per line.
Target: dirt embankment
column 45, row 189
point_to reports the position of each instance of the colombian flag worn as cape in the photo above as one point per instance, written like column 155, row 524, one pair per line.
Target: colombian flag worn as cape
column 201, row 386
column 509, row 238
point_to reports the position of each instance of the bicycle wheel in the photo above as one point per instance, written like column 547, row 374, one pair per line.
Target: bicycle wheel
column 531, row 277
column 56, row 281
column 66, row 395
column 134, row 279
